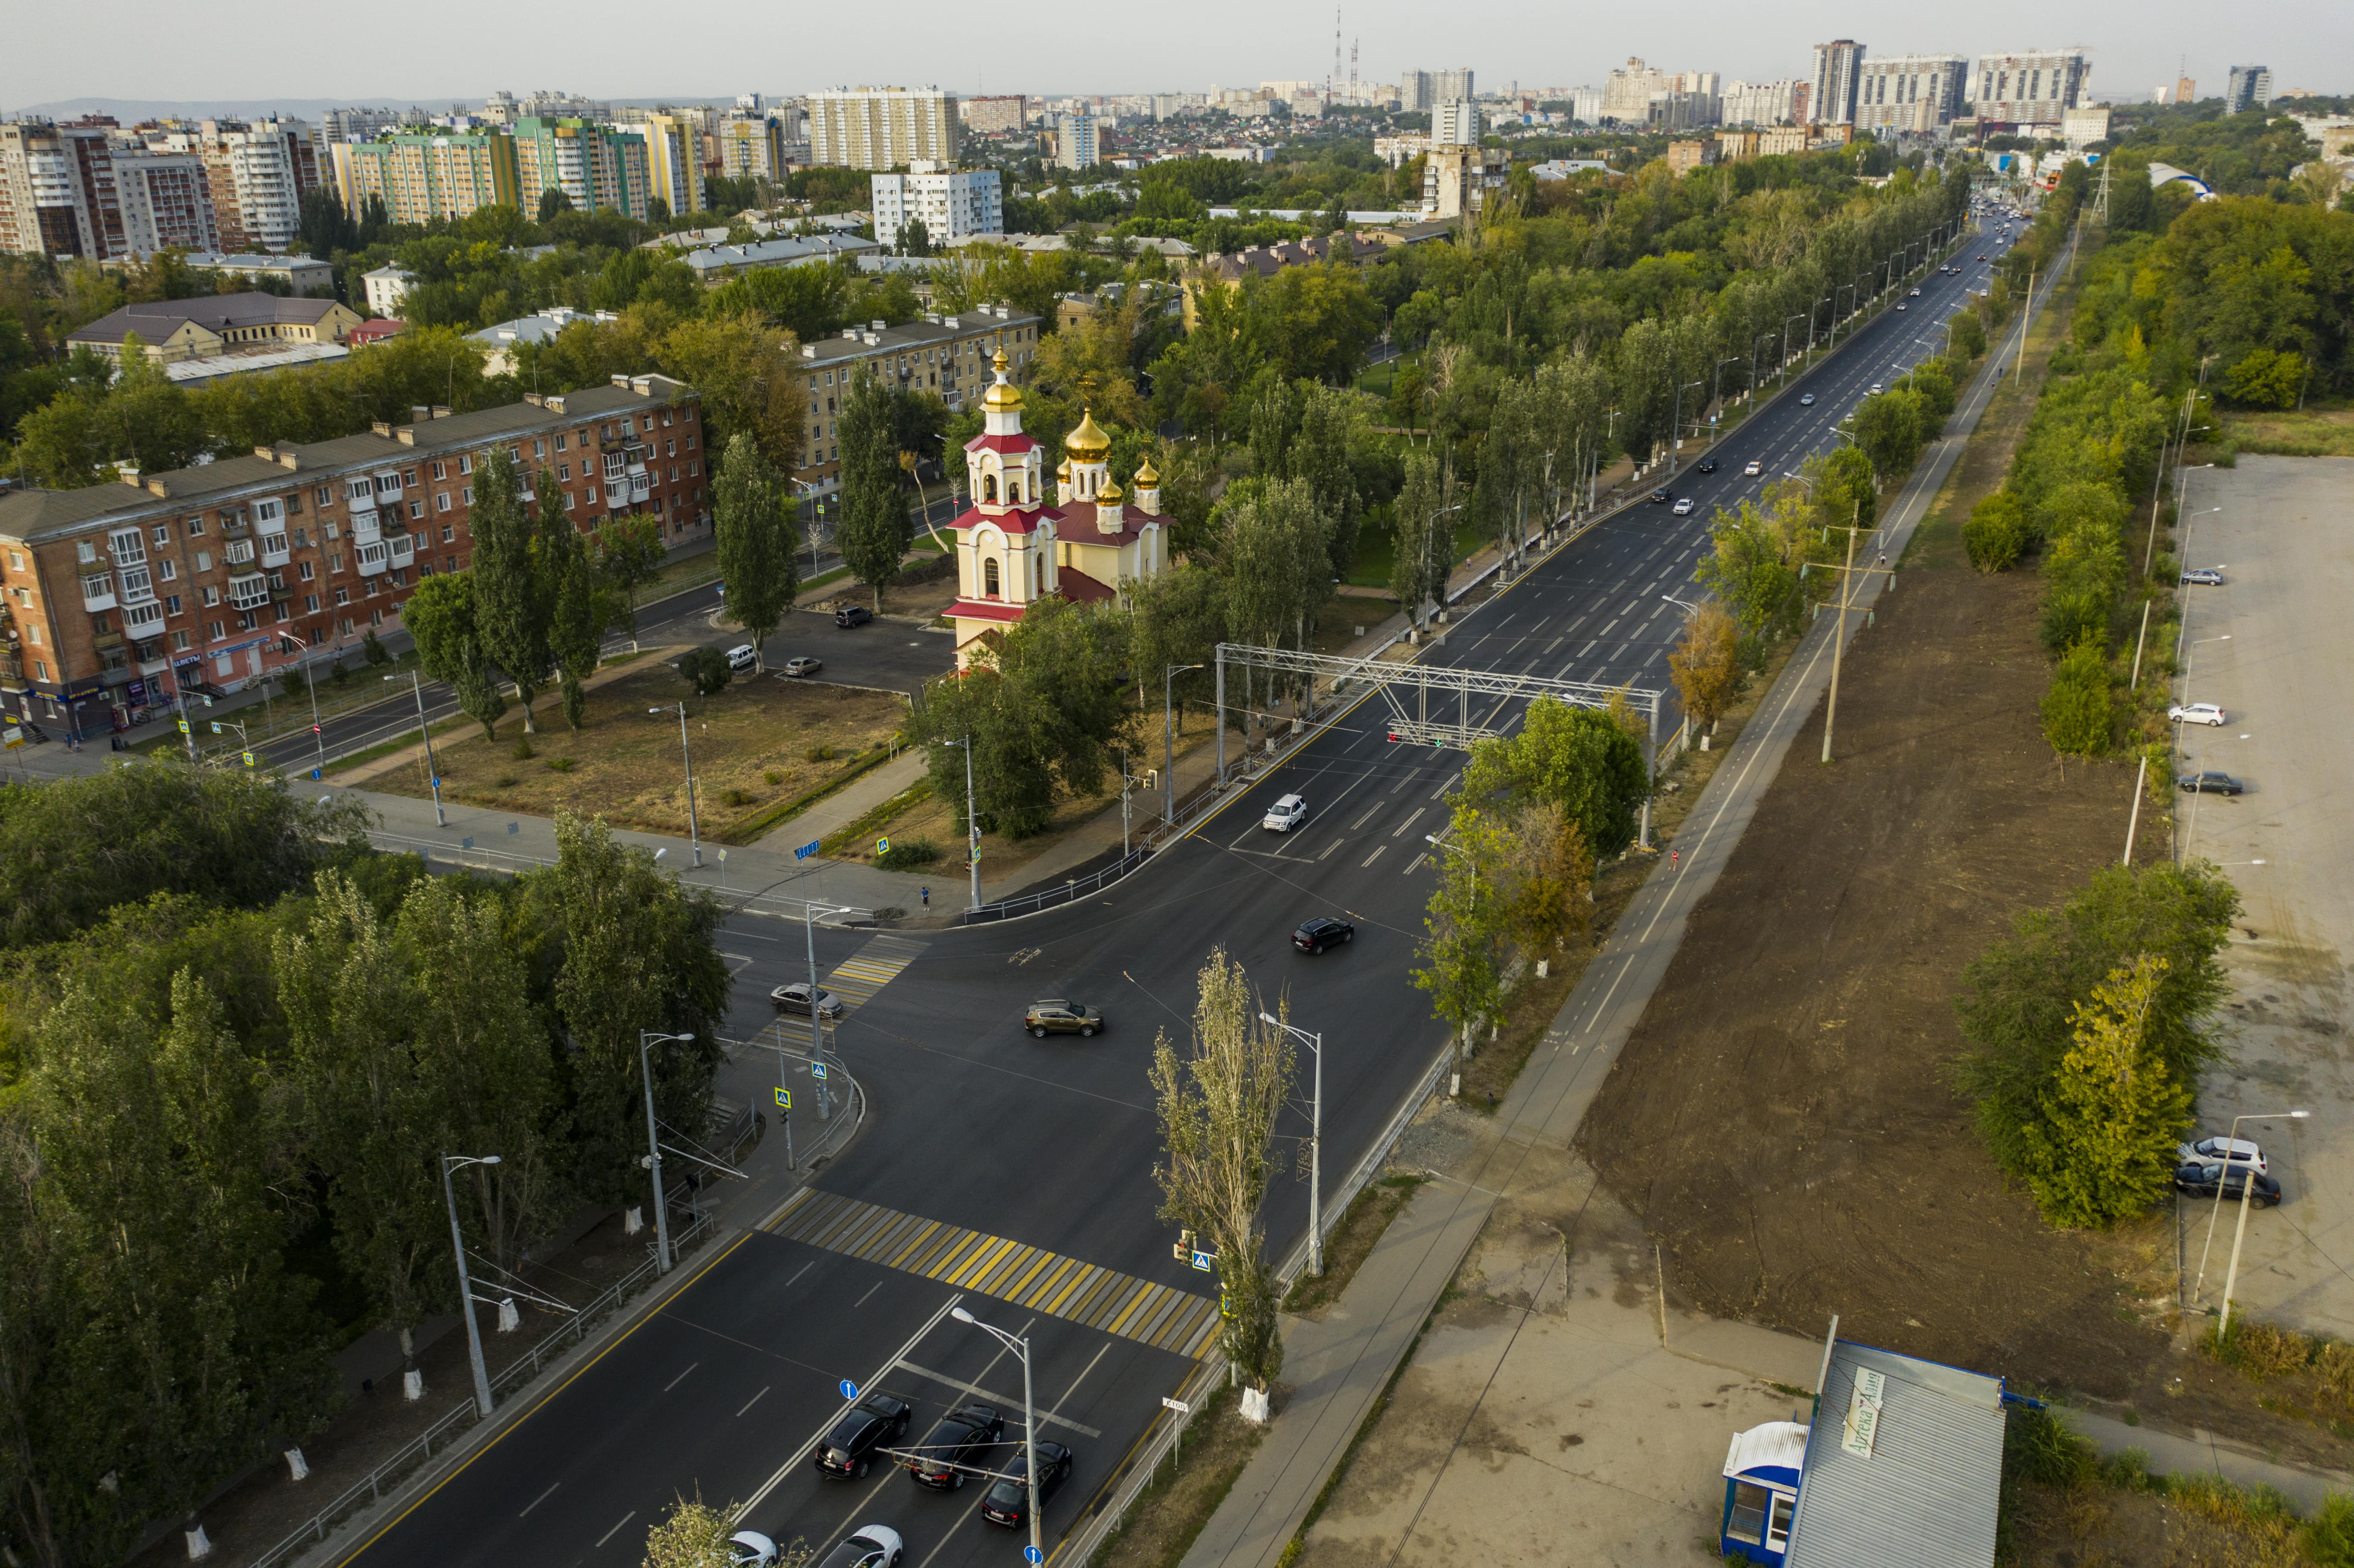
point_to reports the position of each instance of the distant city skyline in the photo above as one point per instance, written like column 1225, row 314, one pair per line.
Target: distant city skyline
column 167, row 53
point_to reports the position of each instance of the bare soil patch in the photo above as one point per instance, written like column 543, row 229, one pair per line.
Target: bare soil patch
column 759, row 742
column 1780, row 1119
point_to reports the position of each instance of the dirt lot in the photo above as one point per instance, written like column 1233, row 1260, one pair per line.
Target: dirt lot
column 755, row 744
column 1779, row 1118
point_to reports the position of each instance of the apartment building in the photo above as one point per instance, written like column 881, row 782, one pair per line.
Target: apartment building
column 422, row 177
column 260, row 171
column 2037, row 87
column 1838, row 73
column 1076, row 143
column 1454, row 123
column 2248, row 87
column 87, row 190
column 950, row 203
column 116, row 598
column 994, row 115
column 1420, row 92
column 1765, row 102
column 1920, row 94
column 1626, row 93
column 303, row 276
column 1684, row 157
column 602, row 168
column 752, row 144
column 948, row 356
column 883, row 127
column 674, row 158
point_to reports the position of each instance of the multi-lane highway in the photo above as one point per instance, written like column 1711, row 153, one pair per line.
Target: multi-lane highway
column 1016, row 1174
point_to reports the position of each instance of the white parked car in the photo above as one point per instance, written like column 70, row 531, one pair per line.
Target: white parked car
column 871, row 1546
column 2196, row 712
column 750, row 1549
column 1284, row 815
column 742, row 657
column 2238, row 1151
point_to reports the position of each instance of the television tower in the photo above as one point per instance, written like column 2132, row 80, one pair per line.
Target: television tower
column 1332, row 83
column 1352, row 71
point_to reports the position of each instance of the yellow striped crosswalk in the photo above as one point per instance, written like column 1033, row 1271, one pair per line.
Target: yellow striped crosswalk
column 872, row 968
column 1105, row 1298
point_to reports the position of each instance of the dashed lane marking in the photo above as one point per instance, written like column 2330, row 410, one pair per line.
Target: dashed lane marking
column 1028, row 1276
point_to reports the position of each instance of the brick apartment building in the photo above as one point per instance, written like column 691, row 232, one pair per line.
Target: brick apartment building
column 116, row 598
column 947, row 357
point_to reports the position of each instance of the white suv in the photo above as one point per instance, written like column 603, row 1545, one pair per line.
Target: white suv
column 1284, row 815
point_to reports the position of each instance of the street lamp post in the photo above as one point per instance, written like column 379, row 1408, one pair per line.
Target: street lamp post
column 1169, row 740
column 465, row 1288
column 971, row 828
column 1761, row 337
column 693, row 827
column 1786, row 347
column 2239, row 1233
column 1020, row 1346
column 1715, row 397
column 647, row 1040
column 1676, row 425
column 1315, row 1043
column 440, row 818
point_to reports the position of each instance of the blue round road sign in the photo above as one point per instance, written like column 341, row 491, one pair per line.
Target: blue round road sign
column 849, row 1389
column 1033, row 1556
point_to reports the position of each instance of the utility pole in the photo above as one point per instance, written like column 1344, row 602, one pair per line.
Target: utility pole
column 647, row 1039
column 417, row 684
column 1315, row 1043
column 693, row 829
column 2026, row 319
column 1838, row 633
column 465, row 1287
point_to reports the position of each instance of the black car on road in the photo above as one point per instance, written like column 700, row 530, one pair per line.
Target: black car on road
column 1324, row 931
column 1705, row 465
column 2201, row 1180
column 960, row 1439
column 1007, row 1501
column 2210, row 783
column 1661, row 497
column 852, row 615
column 848, row 1451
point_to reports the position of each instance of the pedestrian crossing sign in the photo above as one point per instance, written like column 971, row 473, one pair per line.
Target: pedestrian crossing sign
column 785, row 1098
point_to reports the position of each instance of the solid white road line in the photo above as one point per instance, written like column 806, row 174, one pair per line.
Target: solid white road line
column 679, row 1379
column 539, row 1500
column 616, row 1529
column 753, row 1400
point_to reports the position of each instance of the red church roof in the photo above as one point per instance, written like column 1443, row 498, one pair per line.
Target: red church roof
column 1013, row 520
column 985, row 609
column 1081, row 589
column 1014, row 443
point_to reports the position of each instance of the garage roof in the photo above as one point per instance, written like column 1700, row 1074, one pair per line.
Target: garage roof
column 1917, row 1481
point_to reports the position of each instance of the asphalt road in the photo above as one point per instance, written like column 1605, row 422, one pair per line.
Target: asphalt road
column 1044, row 1150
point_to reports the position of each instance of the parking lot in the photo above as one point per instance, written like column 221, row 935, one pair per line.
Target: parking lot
column 2287, row 561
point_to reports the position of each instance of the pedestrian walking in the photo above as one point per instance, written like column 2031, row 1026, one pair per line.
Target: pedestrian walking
column 928, row 897
column 1675, row 857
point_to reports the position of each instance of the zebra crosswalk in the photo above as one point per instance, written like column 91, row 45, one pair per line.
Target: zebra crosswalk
column 872, row 968
column 1028, row 1276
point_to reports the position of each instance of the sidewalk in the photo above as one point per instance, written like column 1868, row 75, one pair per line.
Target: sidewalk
column 1401, row 1281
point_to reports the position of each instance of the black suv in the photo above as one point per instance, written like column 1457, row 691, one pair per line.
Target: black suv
column 852, row 615
column 959, row 1440
column 1705, row 465
column 1661, row 497
column 1324, row 931
column 1007, row 1502
column 848, row 1451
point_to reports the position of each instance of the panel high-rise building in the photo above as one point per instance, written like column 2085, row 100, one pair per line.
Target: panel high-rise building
column 883, row 127
column 2250, row 87
column 1455, row 122
column 674, row 158
column 599, row 167
column 1626, row 94
column 2036, row 88
column 950, row 203
column 1919, row 93
column 1422, row 91
column 1076, row 144
column 1839, row 71
column 89, row 190
column 1765, row 102
column 420, row 177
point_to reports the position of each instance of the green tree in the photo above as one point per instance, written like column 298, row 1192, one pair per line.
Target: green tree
column 575, row 629
column 514, row 598
column 2075, row 707
column 1705, row 664
column 2019, row 994
column 1996, row 533
column 1968, row 336
column 1465, row 926
column 1579, row 758
column 440, row 620
column 1218, row 1107
column 872, row 537
column 2103, row 1149
column 1423, row 550
column 1179, row 618
column 1889, row 430
column 706, row 670
column 752, row 527
column 628, row 553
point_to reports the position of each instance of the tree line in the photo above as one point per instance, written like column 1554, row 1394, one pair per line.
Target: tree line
column 231, row 1063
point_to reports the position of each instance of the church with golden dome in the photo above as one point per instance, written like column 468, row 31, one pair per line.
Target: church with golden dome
column 1017, row 547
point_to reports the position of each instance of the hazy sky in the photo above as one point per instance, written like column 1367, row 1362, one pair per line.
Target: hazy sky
column 439, row 51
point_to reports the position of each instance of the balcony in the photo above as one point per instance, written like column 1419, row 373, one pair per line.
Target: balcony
column 401, row 548
column 617, row 496
column 365, row 525
column 12, row 664
column 98, row 591
column 128, row 551
column 144, row 620
column 274, row 552
column 237, row 553
column 370, row 558
column 248, row 592
column 639, row 486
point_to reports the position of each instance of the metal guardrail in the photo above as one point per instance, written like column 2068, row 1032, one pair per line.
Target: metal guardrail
column 1079, row 887
column 372, row 1486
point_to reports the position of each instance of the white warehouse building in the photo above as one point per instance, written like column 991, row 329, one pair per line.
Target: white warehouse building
column 949, row 202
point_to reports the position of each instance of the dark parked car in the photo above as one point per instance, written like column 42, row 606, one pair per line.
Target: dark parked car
column 1661, row 497
column 1324, row 931
column 960, row 1438
column 1056, row 1016
column 2202, row 1180
column 848, row 1451
column 1706, row 465
column 2210, row 783
column 1007, row 1502
column 852, row 615
column 873, row 1546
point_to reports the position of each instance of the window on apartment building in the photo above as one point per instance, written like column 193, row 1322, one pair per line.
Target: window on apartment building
column 294, row 505
column 16, row 560
column 214, row 632
column 33, row 635
column 671, row 448
column 563, row 471
column 561, row 436
column 665, row 416
column 408, row 478
column 567, row 501
column 465, row 462
column 85, row 552
column 695, row 470
column 447, row 532
column 203, row 560
column 342, row 596
column 440, row 472
column 448, row 563
column 334, row 560
column 171, row 604
column 169, row 568
column 179, row 643
column 195, row 526
column 441, row 500
column 285, row 613
column 539, row 449
column 311, row 603
column 467, row 495
column 208, row 595
column 416, row 511
column 163, row 533
column 246, row 620
column 324, row 495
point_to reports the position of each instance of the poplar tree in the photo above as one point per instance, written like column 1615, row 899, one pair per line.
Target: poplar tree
column 514, row 599
column 440, row 619
column 2104, row 1150
column 1319, row 458
column 752, row 526
column 873, row 532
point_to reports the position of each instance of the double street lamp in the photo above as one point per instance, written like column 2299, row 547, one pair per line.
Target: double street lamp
column 693, row 828
column 971, row 826
column 2247, row 1186
column 1169, row 740
column 451, row 1162
column 1315, row 1043
column 1020, row 1346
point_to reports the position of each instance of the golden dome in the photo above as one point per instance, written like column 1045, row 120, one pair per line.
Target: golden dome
column 1064, row 472
column 1002, row 394
column 1110, row 494
column 1087, row 444
column 1145, row 476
